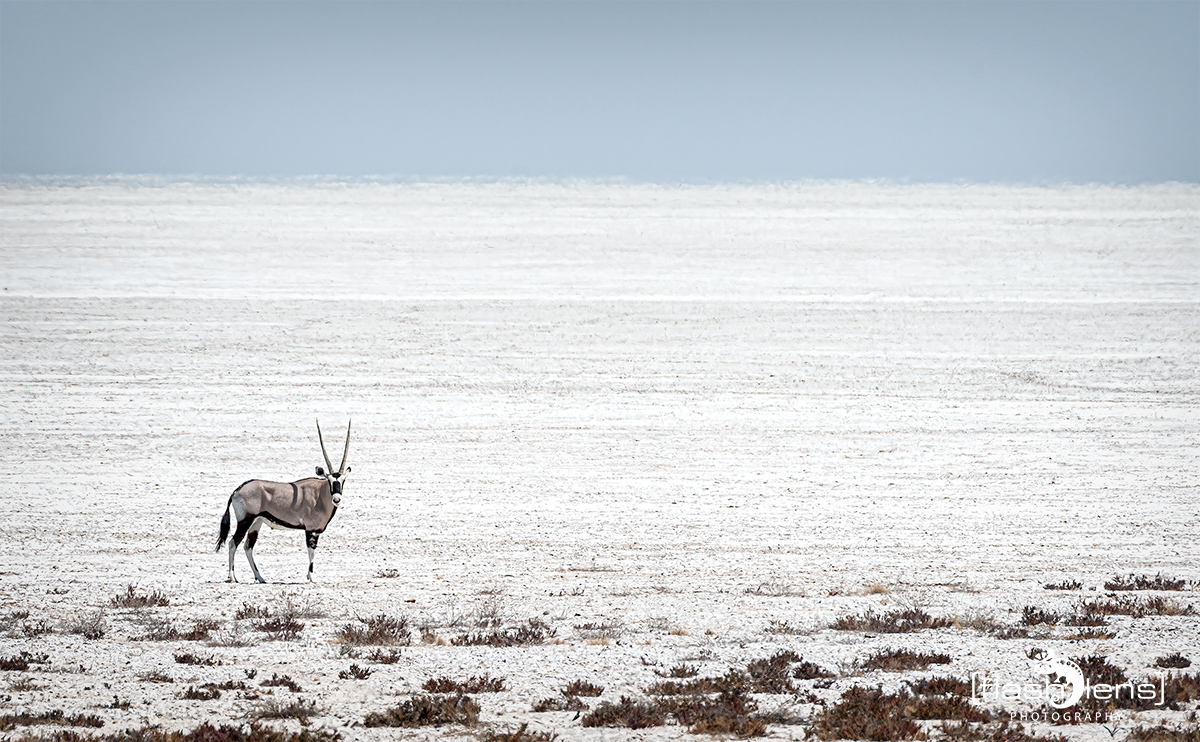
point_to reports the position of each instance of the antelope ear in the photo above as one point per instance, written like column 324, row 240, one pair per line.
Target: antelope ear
column 320, row 472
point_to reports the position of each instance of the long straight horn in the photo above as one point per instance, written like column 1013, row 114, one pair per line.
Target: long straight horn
column 346, row 450
column 328, row 466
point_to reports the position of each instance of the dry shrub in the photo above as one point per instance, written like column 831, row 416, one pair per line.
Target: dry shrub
column 900, row 660
column 355, row 673
column 583, row 688
column 946, row 707
column 88, row 625
column 187, row 658
column 40, row 627
column 251, row 611
column 1084, row 634
column 1032, row 616
column 521, row 735
column 533, row 632
column 162, row 630
column 1163, row 733
column 1144, row 582
column 21, row 662
column 481, row 684
column 282, row 681
column 381, row 630
column 728, row 713
column 625, row 713
column 422, row 711
column 390, row 657
column 1016, row 733
column 1174, row 661
column 131, row 599
column 941, row 686
column 206, row 692
column 156, row 676
column 254, row 732
column 299, row 709
column 570, row 703
column 280, row 628
column 56, row 717
column 1064, row 585
column 1132, row 606
column 682, row 670
column 867, row 713
column 896, row 622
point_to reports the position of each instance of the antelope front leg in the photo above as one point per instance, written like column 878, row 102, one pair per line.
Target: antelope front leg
column 310, row 538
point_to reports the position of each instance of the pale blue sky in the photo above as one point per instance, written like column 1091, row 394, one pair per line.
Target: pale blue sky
column 1031, row 92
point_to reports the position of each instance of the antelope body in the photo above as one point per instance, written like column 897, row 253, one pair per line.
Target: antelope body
column 306, row 504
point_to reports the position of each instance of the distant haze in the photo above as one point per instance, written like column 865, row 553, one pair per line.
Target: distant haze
column 664, row 91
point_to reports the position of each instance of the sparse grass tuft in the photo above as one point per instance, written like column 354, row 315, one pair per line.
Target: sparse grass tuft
column 625, row 713
column 900, row 660
column 355, row 673
column 1144, row 582
column 131, row 599
column 1064, row 585
column 896, row 622
column 254, row 732
column 481, row 684
column 1174, row 661
column 387, row 574
column 156, row 676
column 381, row 630
column 422, row 711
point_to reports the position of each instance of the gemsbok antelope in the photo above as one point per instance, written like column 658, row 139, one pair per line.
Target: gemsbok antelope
column 307, row 504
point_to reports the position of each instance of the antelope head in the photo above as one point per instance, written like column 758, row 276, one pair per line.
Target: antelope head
column 335, row 479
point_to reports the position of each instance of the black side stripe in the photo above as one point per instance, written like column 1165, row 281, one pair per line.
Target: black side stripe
column 277, row 521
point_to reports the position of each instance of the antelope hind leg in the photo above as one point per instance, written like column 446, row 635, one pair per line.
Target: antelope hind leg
column 251, row 539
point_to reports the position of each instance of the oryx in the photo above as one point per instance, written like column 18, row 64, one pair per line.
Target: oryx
column 308, row 503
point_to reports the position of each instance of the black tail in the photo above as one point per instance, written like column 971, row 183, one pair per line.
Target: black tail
column 224, row 526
